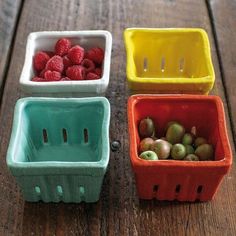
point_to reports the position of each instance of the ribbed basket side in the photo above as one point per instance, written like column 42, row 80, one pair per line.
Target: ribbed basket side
column 171, row 88
column 185, row 187
column 72, row 188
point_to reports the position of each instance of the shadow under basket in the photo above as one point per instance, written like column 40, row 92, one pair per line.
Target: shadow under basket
column 59, row 148
column 173, row 179
column 168, row 61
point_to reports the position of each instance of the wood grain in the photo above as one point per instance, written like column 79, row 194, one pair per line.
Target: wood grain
column 11, row 204
column 224, row 21
column 119, row 211
column 8, row 19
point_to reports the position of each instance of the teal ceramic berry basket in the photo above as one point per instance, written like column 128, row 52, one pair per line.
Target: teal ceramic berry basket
column 59, row 148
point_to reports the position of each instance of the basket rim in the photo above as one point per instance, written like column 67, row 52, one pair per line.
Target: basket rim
column 139, row 164
column 69, row 167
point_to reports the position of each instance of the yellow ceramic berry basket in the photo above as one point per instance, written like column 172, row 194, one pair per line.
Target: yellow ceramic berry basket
column 168, row 60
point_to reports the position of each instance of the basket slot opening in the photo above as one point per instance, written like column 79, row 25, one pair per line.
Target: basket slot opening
column 181, row 65
column 45, row 136
column 163, row 62
column 81, row 191
column 145, row 64
column 155, row 188
column 85, row 135
column 199, row 189
column 177, row 188
column 59, row 190
column 64, row 134
column 37, row 190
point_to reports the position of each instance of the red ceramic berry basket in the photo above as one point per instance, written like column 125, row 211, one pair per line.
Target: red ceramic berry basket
column 178, row 179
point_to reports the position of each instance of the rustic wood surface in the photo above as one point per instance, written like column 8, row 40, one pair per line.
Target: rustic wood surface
column 224, row 21
column 9, row 10
column 119, row 211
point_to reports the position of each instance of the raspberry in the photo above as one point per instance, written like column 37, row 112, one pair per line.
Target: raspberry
column 98, row 71
column 62, row 46
column 75, row 72
column 66, row 62
column 88, row 65
column 92, row 76
column 38, row 79
column 39, row 61
column 96, row 55
column 76, row 54
column 55, row 64
column 52, row 75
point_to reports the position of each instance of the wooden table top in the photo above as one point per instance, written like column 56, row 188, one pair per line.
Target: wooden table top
column 119, row 211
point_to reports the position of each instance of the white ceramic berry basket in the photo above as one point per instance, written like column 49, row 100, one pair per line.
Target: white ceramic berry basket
column 45, row 41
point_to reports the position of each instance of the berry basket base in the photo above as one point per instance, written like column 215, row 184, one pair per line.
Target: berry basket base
column 73, row 189
column 189, row 189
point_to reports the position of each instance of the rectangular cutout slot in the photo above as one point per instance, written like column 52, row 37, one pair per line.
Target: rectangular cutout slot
column 155, row 188
column 85, row 135
column 59, row 190
column 199, row 189
column 45, row 136
column 163, row 62
column 37, row 190
column 64, row 134
column 81, row 191
column 181, row 65
column 177, row 188
column 145, row 64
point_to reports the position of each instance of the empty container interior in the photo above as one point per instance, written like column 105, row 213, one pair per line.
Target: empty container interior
column 63, row 132
column 199, row 113
column 165, row 54
column 47, row 43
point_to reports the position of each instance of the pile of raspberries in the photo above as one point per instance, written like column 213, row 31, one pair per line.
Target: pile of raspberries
column 68, row 63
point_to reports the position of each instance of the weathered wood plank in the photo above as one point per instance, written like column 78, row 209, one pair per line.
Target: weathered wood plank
column 11, row 204
column 8, row 19
column 119, row 212
column 224, row 21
